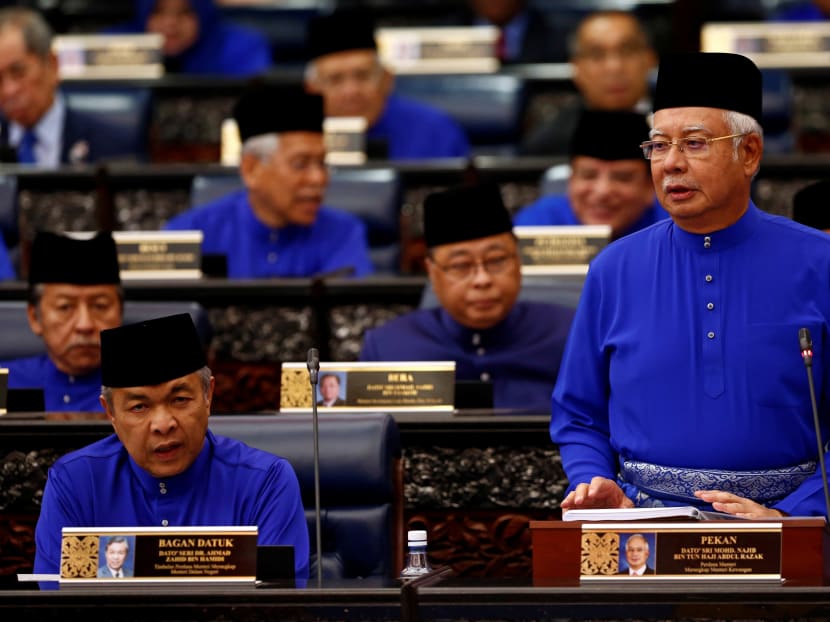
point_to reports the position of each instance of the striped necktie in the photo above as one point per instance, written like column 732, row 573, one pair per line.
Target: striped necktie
column 26, row 148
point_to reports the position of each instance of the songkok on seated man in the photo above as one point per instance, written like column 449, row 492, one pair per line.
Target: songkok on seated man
column 344, row 67
column 474, row 271
column 163, row 466
column 811, row 206
column 74, row 293
column 609, row 182
column 278, row 226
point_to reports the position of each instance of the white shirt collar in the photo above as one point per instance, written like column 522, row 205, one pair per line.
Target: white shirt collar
column 49, row 133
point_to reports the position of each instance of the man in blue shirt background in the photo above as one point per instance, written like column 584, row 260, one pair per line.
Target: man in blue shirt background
column 610, row 182
column 277, row 226
column 74, row 293
column 346, row 70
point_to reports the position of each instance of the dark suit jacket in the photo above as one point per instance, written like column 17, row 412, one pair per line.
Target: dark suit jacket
column 337, row 402
column 104, row 573
column 88, row 139
column 649, row 570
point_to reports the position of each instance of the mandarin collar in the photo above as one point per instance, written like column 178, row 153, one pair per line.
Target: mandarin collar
column 722, row 239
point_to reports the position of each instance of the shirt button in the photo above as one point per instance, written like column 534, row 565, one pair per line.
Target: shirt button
column 272, row 257
column 71, row 379
column 710, row 306
column 164, row 522
column 708, row 278
column 481, row 351
column 476, row 339
column 710, row 334
column 66, row 399
column 485, row 377
column 707, row 242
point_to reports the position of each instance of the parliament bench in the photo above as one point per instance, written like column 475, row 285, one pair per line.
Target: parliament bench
column 361, row 484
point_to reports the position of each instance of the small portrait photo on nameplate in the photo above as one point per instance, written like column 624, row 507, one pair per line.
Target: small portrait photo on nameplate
column 361, row 387
column 696, row 551
column 560, row 249
column 156, row 555
column 159, row 254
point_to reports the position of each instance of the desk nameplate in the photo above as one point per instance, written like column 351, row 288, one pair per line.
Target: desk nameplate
column 95, row 555
column 159, row 254
column 771, row 44
column 560, row 249
column 691, row 551
column 361, row 387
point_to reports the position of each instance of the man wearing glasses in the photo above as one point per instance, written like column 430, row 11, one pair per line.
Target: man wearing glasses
column 681, row 383
column 277, row 226
column 473, row 266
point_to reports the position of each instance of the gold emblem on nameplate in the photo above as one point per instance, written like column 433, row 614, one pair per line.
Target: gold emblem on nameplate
column 79, row 557
column 600, row 553
column 295, row 390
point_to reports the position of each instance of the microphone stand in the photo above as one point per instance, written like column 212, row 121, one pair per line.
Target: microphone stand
column 313, row 369
column 806, row 344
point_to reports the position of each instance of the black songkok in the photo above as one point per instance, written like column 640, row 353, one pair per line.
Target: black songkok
column 62, row 259
column 268, row 109
column 811, row 205
column 465, row 213
column 609, row 135
column 151, row 352
column 341, row 31
column 709, row 80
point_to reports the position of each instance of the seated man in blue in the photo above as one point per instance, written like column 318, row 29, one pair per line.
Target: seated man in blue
column 346, row 70
column 74, row 293
column 473, row 266
column 610, row 181
column 163, row 467
column 36, row 126
column 277, row 226
column 681, row 383
column 198, row 41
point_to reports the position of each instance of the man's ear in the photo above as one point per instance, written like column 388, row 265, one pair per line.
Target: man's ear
column 753, row 150
column 34, row 320
column 249, row 166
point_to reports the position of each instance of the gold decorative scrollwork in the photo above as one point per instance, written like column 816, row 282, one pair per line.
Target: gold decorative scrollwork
column 600, row 553
column 295, row 390
column 79, row 557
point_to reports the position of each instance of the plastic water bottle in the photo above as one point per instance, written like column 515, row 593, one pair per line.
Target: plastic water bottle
column 416, row 559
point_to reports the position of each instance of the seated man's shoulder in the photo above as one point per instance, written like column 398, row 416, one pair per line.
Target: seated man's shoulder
column 333, row 221
column 235, row 453
column 553, row 209
column 214, row 213
column 411, row 110
column 104, row 449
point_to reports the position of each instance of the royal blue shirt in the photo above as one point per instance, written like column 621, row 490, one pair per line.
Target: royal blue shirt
column 229, row 484
column 520, row 355
column 413, row 131
column 684, row 352
column 336, row 240
column 61, row 392
column 556, row 210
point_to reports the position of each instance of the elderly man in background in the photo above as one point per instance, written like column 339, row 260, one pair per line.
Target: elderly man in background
column 277, row 226
column 74, row 293
column 346, row 70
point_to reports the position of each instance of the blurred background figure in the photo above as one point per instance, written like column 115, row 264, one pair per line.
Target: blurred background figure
column 346, row 70
column 814, row 11
column 611, row 58
column 527, row 35
column 198, row 41
column 610, row 182
column 811, row 205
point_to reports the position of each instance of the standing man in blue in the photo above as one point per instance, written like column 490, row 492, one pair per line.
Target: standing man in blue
column 36, row 124
column 346, row 70
column 473, row 266
column 163, row 467
column 610, row 182
column 74, row 293
column 682, row 381
column 277, row 226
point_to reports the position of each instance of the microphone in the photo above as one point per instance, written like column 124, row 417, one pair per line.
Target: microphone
column 805, row 342
column 313, row 363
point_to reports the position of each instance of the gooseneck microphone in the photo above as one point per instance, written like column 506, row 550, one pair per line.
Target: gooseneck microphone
column 805, row 342
column 313, row 363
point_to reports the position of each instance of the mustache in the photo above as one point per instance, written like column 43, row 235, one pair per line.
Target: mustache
column 675, row 181
column 84, row 343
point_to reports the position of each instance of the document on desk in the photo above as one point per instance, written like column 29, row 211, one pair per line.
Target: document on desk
column 685, row 512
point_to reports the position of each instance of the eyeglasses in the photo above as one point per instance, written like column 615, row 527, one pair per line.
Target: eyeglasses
column 461, row 270
column 692, row 146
